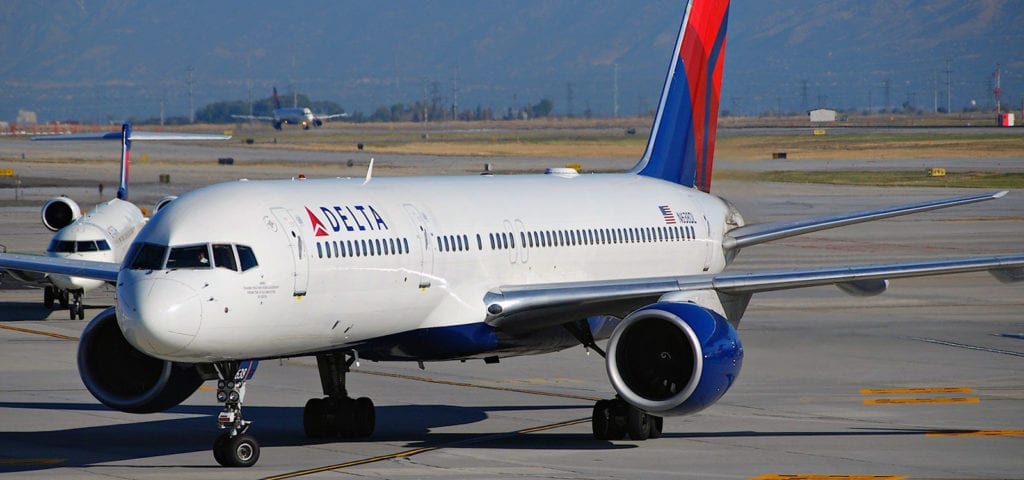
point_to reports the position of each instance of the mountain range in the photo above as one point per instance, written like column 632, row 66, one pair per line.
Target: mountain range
column 109, row 60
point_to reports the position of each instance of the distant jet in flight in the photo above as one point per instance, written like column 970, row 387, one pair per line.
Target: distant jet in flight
column 291, row 116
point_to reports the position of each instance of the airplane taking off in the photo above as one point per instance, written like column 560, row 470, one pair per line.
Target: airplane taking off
column 291, row 116
column 102, row 234
column 454, row 268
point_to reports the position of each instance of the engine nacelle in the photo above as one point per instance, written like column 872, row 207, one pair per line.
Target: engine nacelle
column 59, row 212
column 126, row 379
column 163, row 202
column 673, row 358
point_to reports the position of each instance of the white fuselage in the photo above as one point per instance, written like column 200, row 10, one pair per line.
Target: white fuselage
column 103, row 234
column 341, row 262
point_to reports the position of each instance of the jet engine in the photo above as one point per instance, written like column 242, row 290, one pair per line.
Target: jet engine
column 126, row 379
column 59, row 212
column 672, row 359
column 163, row 202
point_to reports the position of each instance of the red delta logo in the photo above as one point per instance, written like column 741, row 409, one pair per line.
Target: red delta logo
column 350, row 218
column 318, row 226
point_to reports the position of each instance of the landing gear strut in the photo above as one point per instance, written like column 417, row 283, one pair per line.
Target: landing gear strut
column 614, row 419
column 234, row 447
column 337, row 414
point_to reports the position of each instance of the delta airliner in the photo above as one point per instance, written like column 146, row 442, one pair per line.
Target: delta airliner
column 481, row 267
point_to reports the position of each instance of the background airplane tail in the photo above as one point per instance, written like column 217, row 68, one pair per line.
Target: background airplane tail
column 682, row 143
column 277, row 99
column 126, row 150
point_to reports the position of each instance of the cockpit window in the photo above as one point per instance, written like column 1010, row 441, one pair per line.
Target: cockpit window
column 224, row 257
column 86, row 246
column 72, row 246
column 192, row 256
column 61, row 246
column 246, row 257
column 147, row 256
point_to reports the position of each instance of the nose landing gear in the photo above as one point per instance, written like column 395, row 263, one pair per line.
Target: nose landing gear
column 234, row 447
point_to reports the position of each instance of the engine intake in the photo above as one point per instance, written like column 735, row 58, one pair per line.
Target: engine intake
column 673, row 358
column 59, row 212
column 126, row 379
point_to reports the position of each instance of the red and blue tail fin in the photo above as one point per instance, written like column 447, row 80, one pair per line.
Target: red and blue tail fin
column 682, row 144
column 277, row 99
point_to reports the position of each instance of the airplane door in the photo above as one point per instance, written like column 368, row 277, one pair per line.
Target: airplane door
column 300, row 257
column 707, row 243
column 425, row 240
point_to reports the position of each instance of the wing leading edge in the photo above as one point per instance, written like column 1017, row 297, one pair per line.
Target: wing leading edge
column 106, row 271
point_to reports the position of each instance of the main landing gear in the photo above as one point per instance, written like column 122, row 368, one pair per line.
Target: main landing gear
column 337, row 414
column 234, row 447
column 53, row 294
column 614, row 419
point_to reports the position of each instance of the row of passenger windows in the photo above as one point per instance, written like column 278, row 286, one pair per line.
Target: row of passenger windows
column 362, row 248
column 566, row 238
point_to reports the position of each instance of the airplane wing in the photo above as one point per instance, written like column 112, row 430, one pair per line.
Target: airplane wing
column 136, row 135
column 538, row 306
column 748, row 235
column 106, row 271
column 333, row 115
column 254, row 117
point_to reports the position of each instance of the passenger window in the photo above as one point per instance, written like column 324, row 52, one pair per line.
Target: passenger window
column 246, row 257
column 224, row 257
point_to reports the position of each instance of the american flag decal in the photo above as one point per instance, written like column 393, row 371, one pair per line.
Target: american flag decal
column 667, row 213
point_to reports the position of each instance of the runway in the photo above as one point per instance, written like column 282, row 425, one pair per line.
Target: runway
column 922, row 382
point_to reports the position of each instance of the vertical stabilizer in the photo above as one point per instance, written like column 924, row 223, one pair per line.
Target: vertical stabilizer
column 126, row 150
column 682, row 143
column 277, row 100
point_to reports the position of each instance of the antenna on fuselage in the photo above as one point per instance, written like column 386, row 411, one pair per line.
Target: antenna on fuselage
column 369, row 172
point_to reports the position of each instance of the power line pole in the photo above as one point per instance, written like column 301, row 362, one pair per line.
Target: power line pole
column 568, row 87
column 455, row 92
column 615, row 92
column 948, row 87
column 191, row 109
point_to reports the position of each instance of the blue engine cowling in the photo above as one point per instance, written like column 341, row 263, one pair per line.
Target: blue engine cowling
column 126, row 379
column 673, row 358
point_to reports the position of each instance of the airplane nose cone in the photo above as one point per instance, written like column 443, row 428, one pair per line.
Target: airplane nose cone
column 159, row 316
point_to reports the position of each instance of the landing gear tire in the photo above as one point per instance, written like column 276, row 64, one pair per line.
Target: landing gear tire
column 314, row 419
column 606, row 423
column 614, row 419
column 638, row 424
column 62, row 297
column 76, row 308
column 339, row 417
column 236, row 451
column 48, row 297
